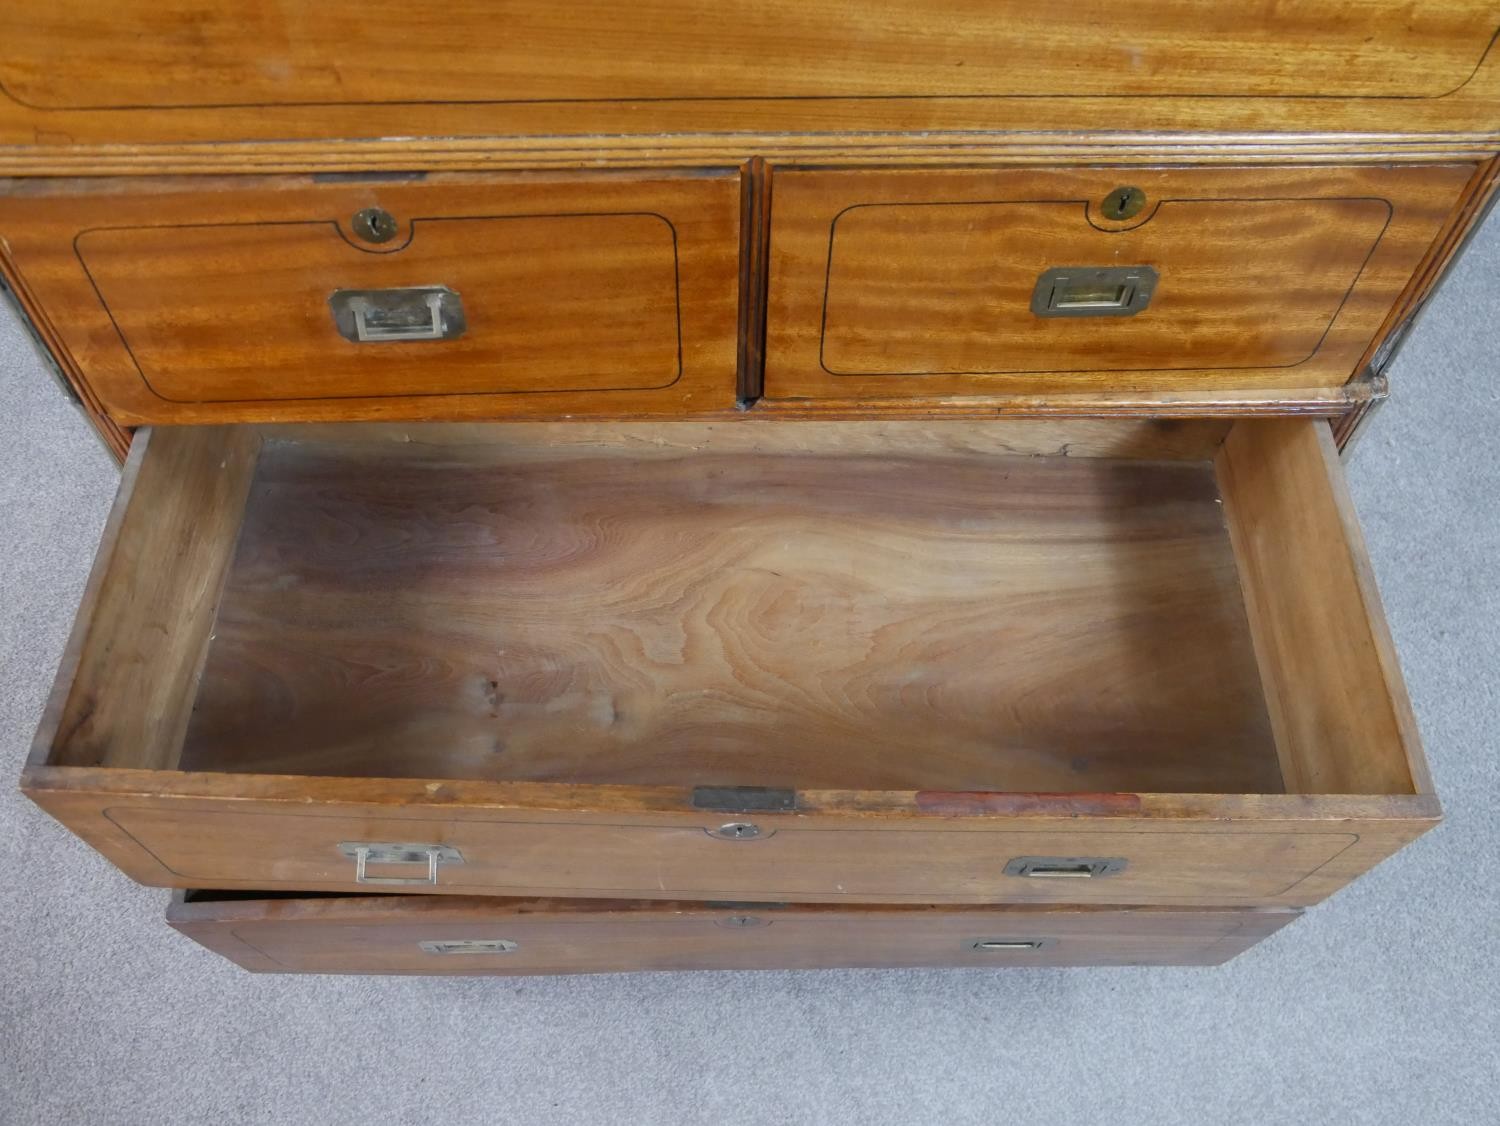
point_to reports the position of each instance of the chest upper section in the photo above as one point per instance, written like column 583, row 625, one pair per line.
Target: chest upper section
column 151, row 71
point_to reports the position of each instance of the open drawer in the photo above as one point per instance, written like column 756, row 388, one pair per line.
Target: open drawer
column 423, row 934
column 1116, row 662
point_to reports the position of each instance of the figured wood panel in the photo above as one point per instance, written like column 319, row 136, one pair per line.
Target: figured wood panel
column 946, row 289
column 197, row 53
column 271, row 70
column 241, row 311
column 125, row 690
column 1343, row 721
column 892, row 284
column 183, row 300
column 908, row 620
column 378, row 935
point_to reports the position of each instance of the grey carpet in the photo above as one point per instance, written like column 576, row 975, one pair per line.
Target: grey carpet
column 1379, row 1007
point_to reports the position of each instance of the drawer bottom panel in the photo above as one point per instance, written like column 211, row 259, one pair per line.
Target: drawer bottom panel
column 406, row 934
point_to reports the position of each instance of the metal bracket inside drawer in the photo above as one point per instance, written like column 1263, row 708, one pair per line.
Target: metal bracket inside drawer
column 365, row 853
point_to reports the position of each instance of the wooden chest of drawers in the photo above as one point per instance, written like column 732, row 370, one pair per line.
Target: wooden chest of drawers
column 798, row 486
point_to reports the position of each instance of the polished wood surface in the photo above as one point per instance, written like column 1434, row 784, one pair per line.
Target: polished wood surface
column 869, row 820
column 980, row 144
column 891, row 284
column 225, row 54
column 87, row 72
column 384, row 935
column 239, row 311
column 190, row 301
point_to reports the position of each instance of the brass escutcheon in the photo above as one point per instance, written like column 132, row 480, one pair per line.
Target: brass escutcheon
column 1123, row 203
column 374, row 225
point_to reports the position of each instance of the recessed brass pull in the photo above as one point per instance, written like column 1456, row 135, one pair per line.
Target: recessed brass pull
column 1093, row 291
column 470, row 946
column 1065, row 867
column 998, row 945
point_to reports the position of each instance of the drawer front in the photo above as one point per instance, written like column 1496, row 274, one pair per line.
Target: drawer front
column 424, row 935
column 299, row 299
column 937, row 284
column 204, row 68
column 594, row 857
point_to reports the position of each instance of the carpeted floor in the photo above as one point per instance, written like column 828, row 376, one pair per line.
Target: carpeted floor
column 1381, row 1006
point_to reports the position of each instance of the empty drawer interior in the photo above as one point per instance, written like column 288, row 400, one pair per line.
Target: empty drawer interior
column 1071, row 606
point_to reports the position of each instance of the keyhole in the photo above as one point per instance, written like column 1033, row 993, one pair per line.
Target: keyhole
column 374, row 225
column 1123, row 203
column 739, row 831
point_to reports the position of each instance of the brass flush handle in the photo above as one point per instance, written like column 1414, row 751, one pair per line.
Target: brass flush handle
column 1065, row 867
column 1001, row 945
column 1093, row 291
column 1123, row 203
column 470, row 946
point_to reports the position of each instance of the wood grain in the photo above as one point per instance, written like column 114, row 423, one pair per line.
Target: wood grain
column 153, row 71
column 125, row 690
column 223, row 54
column 1104, row 403
column 739, row 618
column 748, row 433
column 946, row 289
column 382, row 935
column 1343, row 721
column 205, row 300
column 886, row 284
column 239, row 311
